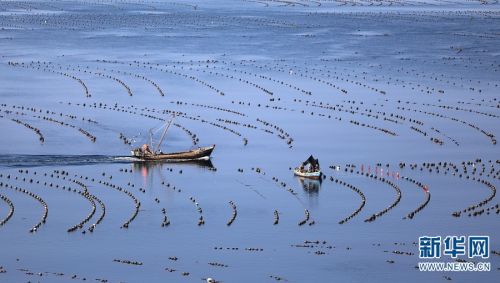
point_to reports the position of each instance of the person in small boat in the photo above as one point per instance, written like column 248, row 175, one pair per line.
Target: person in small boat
column 311, row 165
column 145, row 149
column 315, row 168
column 301, row 168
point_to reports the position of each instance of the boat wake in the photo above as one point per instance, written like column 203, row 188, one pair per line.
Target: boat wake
column 20, row 160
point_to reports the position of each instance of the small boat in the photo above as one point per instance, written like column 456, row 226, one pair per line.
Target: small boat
column 145, row 152
column 309, row 169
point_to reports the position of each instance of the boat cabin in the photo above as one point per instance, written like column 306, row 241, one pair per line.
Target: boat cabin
column 310, row 165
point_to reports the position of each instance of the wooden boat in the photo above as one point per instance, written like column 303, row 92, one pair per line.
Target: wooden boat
column 145, row 152
column 201, row 153
column 309, row 169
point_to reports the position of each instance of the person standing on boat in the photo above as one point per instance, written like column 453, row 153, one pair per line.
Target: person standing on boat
column 146, row 149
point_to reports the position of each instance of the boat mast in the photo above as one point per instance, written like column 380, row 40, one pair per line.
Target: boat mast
column 163, row 134
column 151, row 138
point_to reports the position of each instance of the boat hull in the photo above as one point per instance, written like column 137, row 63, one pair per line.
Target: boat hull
column 309, row 175
column 202, row 153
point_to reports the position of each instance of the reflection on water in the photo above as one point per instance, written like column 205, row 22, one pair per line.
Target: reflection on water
column 149, row 169
column 312, row 188
column 146, row 167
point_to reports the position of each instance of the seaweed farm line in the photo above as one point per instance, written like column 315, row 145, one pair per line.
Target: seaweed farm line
column 398, row 101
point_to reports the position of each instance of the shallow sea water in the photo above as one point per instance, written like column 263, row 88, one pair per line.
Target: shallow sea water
column 431, row 65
